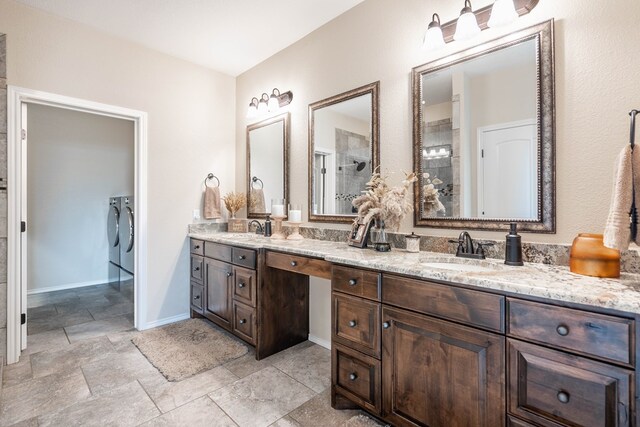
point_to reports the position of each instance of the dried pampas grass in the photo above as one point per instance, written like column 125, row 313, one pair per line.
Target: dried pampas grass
column 381, row 202
column 234, row 202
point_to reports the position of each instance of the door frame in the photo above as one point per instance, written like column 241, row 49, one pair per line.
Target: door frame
column 16, row 97
column 480, row 162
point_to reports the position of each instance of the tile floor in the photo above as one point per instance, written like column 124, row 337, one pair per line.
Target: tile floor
column 81, row 369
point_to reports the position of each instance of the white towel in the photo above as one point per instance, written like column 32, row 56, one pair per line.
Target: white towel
column 617, row 231
column 212, row 203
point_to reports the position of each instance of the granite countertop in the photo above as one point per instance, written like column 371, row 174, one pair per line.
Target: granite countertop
column 533, row 279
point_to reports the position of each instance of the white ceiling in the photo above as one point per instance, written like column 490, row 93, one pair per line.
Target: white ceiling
column 230, row 36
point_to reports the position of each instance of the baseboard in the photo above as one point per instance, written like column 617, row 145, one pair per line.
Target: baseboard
column 322, row 343
column 67, row 286
column 166, row 321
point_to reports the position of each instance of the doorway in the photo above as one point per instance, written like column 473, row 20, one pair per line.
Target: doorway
column 18, row 169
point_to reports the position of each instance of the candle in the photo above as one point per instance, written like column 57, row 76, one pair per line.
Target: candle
column 295, row 215
column 277, row 210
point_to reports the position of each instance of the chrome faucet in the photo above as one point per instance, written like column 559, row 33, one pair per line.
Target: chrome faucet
column 466, row 247
column 259, row 229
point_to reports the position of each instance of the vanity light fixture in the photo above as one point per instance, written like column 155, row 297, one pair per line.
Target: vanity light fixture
column 435, row 153
column 269, row 104
column 503, row 13
column 433, row 38
column 467, row 26
column 470, row 22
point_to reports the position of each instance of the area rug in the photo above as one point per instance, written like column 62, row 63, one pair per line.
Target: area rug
column 186, row 348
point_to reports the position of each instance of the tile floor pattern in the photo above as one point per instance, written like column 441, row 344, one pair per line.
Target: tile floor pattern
column 81, row 369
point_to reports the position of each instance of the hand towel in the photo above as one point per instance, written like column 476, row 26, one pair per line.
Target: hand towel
column 257, row 201
column 617, row 231
column 212, row 203
column 635, row 158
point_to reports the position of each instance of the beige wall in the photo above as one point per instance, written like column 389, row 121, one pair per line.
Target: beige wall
column 596, row 67
column 191, row 115
column 76, row 161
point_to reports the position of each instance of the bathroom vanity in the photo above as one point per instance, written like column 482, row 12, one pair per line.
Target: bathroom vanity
column 416, row 345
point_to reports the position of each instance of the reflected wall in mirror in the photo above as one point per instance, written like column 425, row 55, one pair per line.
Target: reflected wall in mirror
column 343, row 152
column 267, row 164
column 484, row 127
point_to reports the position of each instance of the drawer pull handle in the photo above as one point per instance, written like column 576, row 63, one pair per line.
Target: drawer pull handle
column 196, row 247
column 241, row 285
column 386, row 325
column 196, row 297
column 229, row 274
column 243, row 321
column 562, row 330
column 353, row 376
column 353, row 323
column 293, row 263
column 196, row 269
column 353, row 282
column 563, row 397
column 242, row 257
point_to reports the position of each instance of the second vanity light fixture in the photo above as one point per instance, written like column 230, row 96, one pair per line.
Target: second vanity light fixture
column 469, row 24
column 269, row 104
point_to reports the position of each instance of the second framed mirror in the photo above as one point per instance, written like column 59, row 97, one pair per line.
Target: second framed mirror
column 343, row 151
column 267, row 164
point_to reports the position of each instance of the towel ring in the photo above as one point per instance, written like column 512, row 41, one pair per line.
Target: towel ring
column 256, row 179
column 210, row 177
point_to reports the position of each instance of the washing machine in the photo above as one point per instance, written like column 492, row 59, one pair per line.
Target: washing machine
column 126, row 228
column 113, row 237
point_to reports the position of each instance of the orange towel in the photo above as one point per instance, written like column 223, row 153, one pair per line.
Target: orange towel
column 212, row 203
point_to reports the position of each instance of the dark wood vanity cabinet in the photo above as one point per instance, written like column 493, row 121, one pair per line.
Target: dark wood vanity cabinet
column 446, row 355
column 224, row 287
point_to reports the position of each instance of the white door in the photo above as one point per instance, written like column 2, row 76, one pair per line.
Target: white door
column 507, row 172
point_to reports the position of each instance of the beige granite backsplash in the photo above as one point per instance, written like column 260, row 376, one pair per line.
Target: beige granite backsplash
column 544, row 253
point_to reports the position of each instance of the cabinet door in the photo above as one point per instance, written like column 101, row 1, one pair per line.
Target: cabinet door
column 218, row 288
column 439, row 374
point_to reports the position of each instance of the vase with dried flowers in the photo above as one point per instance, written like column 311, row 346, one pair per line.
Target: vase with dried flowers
column 386, row 205
column 431, row 203
column 234, row 202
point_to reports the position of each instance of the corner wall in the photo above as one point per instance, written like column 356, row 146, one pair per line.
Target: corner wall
column 3, row 197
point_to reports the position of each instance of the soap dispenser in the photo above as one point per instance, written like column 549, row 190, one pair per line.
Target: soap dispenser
column 267, row 227
column 513, row 250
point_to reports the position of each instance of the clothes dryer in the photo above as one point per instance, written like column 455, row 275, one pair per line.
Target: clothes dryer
column 126, row 226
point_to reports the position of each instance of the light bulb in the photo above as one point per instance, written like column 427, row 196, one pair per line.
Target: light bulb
column 503, row 13
column 253, row 109
column 433, row 38
column 467, row 25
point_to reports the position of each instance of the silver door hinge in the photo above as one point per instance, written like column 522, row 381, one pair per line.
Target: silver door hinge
column 23, row 134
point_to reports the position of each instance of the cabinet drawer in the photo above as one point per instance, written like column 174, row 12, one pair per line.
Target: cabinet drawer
column 244, row 287
column 197, row 292
column 244, row 322
column 299, row 264
column 470, row 307
column 197, row 247
column 217, row 251
column 605, row 337
column 361, row 283
column 357, row 377
column 552, row 388
column 197, row 268
column 244, row 257
column 356, row 323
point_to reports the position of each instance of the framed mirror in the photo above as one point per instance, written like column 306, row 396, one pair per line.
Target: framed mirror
column 267, row 164
column 343, row 151
column 484, row 135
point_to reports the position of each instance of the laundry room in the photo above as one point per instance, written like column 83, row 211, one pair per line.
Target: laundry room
column 77, row 166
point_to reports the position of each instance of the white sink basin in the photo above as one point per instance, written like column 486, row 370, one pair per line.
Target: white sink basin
column 462, row 264
column 459, row 267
